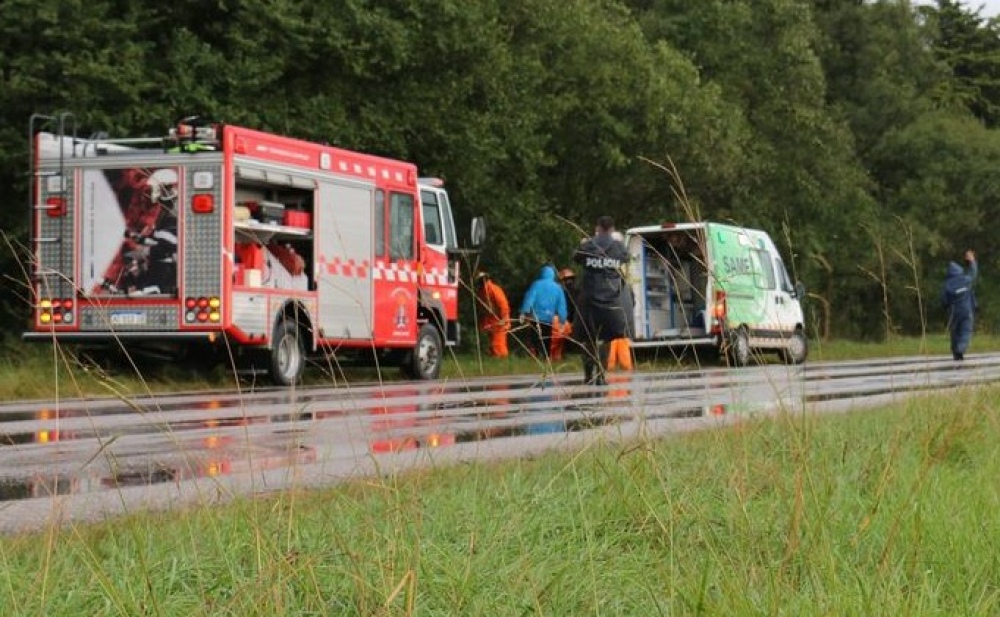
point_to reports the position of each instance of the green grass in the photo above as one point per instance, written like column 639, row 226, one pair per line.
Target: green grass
column 932, row 344
column 876, row 513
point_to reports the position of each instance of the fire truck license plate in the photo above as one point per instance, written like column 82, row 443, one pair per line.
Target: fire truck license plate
column 128, row 318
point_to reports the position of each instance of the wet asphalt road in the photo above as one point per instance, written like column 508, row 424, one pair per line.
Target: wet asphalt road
column 87, row 460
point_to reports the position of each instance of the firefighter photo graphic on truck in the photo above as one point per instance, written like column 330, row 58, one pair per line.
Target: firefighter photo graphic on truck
column 130, row 231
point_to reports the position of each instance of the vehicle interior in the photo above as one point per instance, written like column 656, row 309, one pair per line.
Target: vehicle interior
column 676, row 280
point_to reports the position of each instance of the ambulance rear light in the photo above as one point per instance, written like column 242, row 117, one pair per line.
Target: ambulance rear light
column 668, row 225
column 435, row 182
column 55, row 207
column 203, row 203
column 719, row 308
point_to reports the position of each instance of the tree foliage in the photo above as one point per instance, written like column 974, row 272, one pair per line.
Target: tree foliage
column 861, row 134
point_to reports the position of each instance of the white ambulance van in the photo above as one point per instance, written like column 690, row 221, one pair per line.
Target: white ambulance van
column 712, row 285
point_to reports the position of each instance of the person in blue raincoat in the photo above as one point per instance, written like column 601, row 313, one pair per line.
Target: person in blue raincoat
column 544, row 303
column 958, row 295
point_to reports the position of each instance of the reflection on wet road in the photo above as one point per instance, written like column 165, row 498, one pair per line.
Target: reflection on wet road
column 267, row 440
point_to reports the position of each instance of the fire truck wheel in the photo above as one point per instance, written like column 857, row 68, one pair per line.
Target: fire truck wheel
column 288, row 357
column 424, row 362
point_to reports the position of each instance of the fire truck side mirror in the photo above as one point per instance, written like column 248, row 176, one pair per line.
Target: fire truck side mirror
column 478, row 233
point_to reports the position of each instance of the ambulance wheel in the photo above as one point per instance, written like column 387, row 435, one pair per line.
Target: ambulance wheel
column 424, row 362
column 288, row 356
column 796, row 348
column 739, row 347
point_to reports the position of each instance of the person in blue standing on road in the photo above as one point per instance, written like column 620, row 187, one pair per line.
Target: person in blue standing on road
column 958, row 295
column 544, row 303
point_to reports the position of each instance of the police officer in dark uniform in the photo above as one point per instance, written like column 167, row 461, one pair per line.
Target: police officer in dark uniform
column 601, row 315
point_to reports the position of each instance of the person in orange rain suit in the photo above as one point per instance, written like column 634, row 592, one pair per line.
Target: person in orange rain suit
column 620, row 352
column 561, row 332
column 496, row 314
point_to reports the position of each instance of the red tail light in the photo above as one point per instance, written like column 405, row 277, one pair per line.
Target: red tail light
column 55, row 206
column 202, row 203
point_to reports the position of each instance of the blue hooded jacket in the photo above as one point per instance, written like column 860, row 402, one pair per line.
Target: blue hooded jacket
column 958, row 294
column 545, row 298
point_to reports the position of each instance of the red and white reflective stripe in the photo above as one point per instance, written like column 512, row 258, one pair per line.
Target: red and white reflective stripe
column 343, row 267
column 436, row 276
column 379, row 271
column 394, row 272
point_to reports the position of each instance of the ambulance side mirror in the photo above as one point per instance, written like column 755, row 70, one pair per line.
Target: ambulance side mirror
column 477, row 234
column 800, row 291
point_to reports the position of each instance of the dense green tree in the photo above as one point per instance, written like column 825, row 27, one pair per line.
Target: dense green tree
column 940, row 186
column 858, row 132
column 932, row 165
column 799, row 168
column 56, row 55
column 969, row 45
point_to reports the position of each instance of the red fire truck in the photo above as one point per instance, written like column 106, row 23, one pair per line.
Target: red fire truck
column 218, row 235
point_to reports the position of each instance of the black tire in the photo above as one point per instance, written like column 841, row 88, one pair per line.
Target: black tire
column 796, row 348
column 288, row 355
column 738, row 347
column 424, row 362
